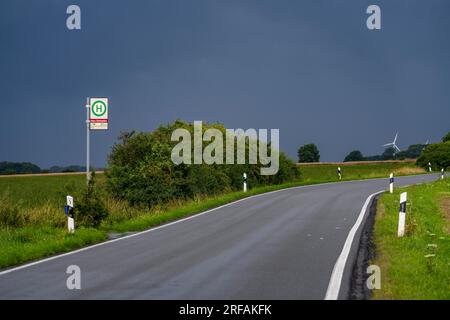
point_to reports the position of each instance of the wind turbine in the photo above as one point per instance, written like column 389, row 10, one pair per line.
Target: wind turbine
column 425, row 145
column 392, row 144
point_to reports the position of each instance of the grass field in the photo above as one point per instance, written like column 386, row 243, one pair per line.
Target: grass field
column 39, row 200
column 327, row 172
column 416, row 266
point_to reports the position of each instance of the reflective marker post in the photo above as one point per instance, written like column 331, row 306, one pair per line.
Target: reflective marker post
column 442, row 174
column 339, row 173
column 391, row 183
column 402, row 214
column 244, row 180
column 429, row 166
column 68, row 209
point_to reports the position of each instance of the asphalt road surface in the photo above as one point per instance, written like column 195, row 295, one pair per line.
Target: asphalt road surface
column 281, row 245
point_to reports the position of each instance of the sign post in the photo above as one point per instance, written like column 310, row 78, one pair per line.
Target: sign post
column 88, row 111
column 402, row 214
column 96, row 119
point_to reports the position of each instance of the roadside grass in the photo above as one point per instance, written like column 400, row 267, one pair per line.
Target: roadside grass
column 40, row 201
column 416, row 266
column 34, row 242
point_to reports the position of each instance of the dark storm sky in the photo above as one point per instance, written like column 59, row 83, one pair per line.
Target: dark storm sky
column 310, row 68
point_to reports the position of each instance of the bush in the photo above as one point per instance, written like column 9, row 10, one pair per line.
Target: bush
column 446, row 137
column 90, row 211
column 140, row 170
column 438, row 154
column 308, row 153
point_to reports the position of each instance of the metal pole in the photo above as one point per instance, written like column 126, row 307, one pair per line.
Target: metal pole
column 88, row 174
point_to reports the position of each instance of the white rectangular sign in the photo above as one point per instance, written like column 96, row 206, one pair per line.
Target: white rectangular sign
column 69, row 201
column 98, row 113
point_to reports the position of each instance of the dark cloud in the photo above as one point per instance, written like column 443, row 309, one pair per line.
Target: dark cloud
column 309, row 68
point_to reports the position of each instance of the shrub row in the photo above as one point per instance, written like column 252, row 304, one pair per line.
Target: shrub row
column 140, row 169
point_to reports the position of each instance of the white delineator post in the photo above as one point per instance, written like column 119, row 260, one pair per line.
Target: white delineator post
column 88, row 112
column 442, row 174
column 391, row 183
column 244, row 181
column 402, row 214
column 70, row 216
column 429, row 166
column 339, row 173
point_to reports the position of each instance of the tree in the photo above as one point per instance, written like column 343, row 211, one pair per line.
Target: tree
column 308, row 153
column 388, row 154
column 355, row 155
column 438, row 154
column 446, row 137
column 374, row 158
column 18, row 168
column 413, row 152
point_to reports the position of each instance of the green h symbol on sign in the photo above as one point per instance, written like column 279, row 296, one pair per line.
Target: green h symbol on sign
column 99, row 108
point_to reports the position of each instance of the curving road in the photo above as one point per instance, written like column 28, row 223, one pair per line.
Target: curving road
column 281, row 245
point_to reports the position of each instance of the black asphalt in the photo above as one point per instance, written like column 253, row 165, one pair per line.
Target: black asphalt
column 281, row 245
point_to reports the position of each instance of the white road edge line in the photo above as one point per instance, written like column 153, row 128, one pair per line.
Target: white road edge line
column 334, row 285
column 178, row 221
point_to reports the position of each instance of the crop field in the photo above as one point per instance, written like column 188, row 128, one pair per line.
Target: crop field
column 29, row 191
column 32, row 220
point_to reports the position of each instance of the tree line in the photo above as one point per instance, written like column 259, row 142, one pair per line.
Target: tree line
column 438, row 154
column 9, row 168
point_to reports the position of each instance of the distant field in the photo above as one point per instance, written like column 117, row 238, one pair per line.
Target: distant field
column 41, row 199
column 350, row 163
column 361, row 170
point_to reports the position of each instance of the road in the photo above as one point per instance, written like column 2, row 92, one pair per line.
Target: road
column 281, row 245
